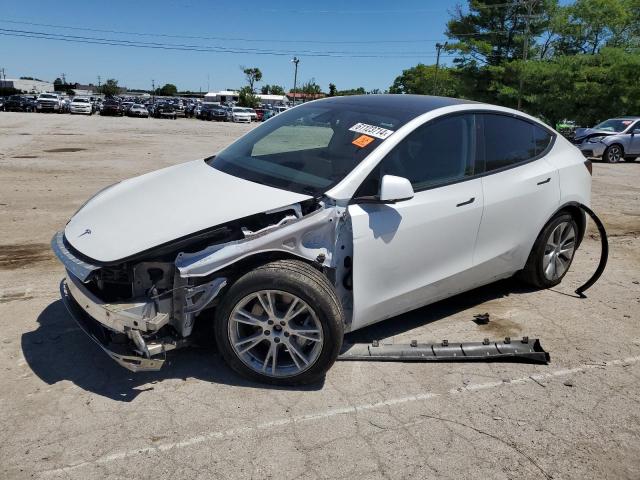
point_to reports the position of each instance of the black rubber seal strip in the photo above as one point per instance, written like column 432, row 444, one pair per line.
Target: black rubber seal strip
column 604, row 254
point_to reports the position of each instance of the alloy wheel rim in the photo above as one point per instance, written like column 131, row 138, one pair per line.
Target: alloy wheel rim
column 558, row 251
column 275, row 333
column 614, row 154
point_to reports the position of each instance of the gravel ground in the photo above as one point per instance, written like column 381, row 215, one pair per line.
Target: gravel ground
column 67, row 411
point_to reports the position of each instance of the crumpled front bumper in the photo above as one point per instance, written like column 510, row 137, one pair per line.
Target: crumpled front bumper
column 103, row 336
column 592, row 149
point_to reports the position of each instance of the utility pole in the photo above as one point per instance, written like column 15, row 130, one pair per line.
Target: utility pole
column 439, row 46
column 153, row 91
column 525, row 48
column 295, row 61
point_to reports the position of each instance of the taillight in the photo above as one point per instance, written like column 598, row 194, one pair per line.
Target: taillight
column 587, row 163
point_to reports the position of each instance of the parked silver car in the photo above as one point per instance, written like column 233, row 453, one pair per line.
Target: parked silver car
column 613, row 140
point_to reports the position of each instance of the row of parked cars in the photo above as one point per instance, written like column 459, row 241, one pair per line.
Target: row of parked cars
column 135, row 107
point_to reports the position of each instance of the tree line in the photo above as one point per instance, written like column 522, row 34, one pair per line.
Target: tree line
column 579, row 61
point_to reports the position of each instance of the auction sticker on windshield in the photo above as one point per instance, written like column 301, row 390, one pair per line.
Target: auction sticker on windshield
column 371, row 130
column 362, row 141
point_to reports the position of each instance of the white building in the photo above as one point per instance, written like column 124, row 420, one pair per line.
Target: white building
column 27, row 86
column 222, row 96
column 273, row 100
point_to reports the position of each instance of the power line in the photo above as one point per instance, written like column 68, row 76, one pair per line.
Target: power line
column 199, row 48
column 241, row 39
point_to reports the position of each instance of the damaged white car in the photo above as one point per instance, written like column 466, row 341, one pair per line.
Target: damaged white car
column 331, row 216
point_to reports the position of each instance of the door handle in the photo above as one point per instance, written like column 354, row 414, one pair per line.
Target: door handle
column 544, row 181
column 471, row 200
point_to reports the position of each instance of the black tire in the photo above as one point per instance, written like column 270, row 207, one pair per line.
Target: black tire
column 613, row 153
column 302, row 280
column 533, row 272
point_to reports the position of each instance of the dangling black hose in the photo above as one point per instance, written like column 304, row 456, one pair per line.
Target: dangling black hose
column 604, row 253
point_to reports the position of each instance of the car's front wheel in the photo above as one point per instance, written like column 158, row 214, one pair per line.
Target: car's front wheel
column 552, row 252
column 281, row 324
column 613, row 154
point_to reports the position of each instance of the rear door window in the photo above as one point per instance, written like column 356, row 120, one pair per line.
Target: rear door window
column 509, row 141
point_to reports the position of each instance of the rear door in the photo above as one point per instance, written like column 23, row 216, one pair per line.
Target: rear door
column 413, row 252
column 521, row 191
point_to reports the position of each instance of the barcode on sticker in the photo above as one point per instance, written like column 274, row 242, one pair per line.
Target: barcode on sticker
column 372, row 130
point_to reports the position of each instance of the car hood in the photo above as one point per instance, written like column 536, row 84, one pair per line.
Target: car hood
column 582, row 133
column 156, row 208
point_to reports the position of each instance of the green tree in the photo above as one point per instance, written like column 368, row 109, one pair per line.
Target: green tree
column 422, row 80
column 252, row 75
column 585, row 88
column 272, row 90
column 110, row 87
column 333, row 91
column 311, row 87
column 246, row 98
column 352, row 91
column 167, row 90
column 492, row 31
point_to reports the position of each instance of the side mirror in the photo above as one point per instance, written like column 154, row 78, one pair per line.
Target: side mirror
column 635, row 131
column 394, row 189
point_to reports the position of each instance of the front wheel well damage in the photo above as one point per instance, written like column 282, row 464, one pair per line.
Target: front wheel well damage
column 245, row 265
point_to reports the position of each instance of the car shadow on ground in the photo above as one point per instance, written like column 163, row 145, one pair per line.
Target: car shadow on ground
column 59, row 350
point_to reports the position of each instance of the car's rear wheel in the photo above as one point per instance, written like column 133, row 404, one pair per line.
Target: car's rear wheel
column 613, row 153
column 552, row 252
column 281, row 324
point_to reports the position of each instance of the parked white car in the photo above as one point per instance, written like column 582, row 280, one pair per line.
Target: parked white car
column 49, row 102
column 81, row 105
column 239, row 114
column 252, row 113
column 332, row 216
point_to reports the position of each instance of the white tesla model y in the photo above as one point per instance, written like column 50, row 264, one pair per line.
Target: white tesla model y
column 331, row 216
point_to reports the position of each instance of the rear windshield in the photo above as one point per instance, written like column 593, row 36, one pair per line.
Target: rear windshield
column 310, row 148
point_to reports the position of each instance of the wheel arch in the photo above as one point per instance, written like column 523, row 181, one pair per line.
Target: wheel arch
column 579, row 216
column 615, row 143
column 244, row 265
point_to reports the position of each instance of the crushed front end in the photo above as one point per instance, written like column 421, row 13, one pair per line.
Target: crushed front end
column 142, row 307
column 129, row 310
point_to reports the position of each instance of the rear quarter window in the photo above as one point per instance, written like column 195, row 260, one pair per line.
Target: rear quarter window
column 510, row 141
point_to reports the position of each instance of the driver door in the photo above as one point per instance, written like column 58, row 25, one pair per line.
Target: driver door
column 414, row 252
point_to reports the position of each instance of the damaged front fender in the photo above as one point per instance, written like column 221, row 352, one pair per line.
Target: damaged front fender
column 312, row 237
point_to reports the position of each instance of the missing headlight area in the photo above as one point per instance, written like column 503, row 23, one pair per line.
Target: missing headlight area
column 141, row 308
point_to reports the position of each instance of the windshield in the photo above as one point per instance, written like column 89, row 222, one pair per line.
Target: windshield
column 311, row 148
column 80, row 100
column 613, row 125
column 44, row 95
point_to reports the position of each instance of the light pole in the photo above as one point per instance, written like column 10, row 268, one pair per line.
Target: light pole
column 295, row 61
column 525, row 49
column 439, row 46
column 153, row 91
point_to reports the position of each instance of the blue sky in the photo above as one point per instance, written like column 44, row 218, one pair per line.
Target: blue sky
column 281, row 26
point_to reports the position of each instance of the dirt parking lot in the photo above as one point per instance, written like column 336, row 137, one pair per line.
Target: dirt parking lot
column 67, row 411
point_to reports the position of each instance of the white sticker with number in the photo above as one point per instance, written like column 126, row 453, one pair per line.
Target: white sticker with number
column 371, row 130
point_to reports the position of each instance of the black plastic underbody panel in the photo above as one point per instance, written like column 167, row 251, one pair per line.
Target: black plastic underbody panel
column 523, row 350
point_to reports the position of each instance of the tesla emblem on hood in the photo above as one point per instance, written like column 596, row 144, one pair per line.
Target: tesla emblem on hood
column 86, row 232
